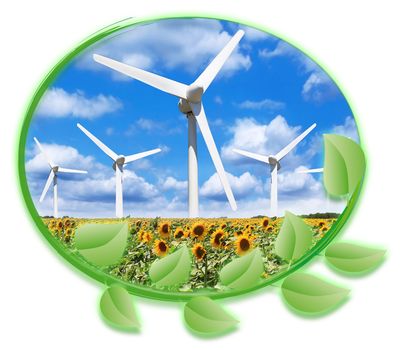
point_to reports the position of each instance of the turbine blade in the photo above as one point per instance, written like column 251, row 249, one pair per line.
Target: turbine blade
column 137, row 156
column 200, row 116
column 170, row 86
column 51, row 164
column 259, row 157
column 98, row 142
column 119, row 191
column 208, row 75
column 67, row 170
column 273, row 191
column 293, row 143
column 309, row 171
column 47, row 185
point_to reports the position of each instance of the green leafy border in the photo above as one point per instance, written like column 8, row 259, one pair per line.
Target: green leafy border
column 104, row 278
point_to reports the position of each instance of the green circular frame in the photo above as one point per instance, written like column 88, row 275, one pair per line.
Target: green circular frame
column 105, row 278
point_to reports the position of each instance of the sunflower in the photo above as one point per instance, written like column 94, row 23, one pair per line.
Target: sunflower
column 198, row 230
column 164, row 229
column 160, row 247
column 223, row 226
column 180, row 233
column 140, row 235
column 243, row 244
column 238, row 233
column 217, row 239
column 147, row 237
column 198, row 251
column 265, row 222
column 269, row 228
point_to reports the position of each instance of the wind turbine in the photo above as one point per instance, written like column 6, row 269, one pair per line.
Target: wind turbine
column 190, row 104
column 274, row 163
column 54, row 170
column 118, row 162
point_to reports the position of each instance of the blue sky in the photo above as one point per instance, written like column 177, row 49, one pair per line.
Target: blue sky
column 267, row 93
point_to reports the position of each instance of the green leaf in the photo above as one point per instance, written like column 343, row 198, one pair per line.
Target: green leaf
column 294, row 239
column 243, row 272
column 171, row 270
column 353, row 258
column 311, row 294
column 117, row 308
column 205, row 316
column 102, row 244
column 344, row 165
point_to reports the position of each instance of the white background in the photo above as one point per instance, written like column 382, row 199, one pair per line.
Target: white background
column 47, row 304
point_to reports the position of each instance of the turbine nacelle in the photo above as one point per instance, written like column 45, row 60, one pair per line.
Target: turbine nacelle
column 273, row 162
column 55, row 168
column 120, row 161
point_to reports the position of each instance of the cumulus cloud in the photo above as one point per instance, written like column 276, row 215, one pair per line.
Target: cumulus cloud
column 265, row 139
column 170, row 183
column 186, row 44
column 348, row 129
column 318, row 86
column 262, row 104
column 242, row 186
column 82, row 189
column 58, row 103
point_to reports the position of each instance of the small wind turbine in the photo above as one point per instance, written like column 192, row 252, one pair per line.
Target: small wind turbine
column 274, row 162
column 54, row 170
column 190, row 104
column 118, row 162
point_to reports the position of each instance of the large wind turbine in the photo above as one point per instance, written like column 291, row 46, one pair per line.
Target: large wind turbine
column 118, row 162
column 54, row 170
column 190, row 104
column 274, row 163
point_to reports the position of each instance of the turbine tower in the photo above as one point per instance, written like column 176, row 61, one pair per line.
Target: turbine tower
column 274, row 162
column 54, row 170
column 118, row 162
column 190, row 104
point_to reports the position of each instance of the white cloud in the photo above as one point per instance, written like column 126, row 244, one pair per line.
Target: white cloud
column 262, row 104
column 264, row 139
column 77, row 193
column 168, row 44
column 58, row 103
column 66, row 156
column 218, row 100
column 242, row 186
column 170, row 183
column 348, row 129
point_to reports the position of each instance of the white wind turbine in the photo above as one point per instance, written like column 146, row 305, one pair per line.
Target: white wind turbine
column 54, row 170
column 190, row 104
column 274, row 162
column 118, row 162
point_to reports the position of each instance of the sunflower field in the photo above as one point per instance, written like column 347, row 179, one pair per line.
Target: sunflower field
column 213, row 243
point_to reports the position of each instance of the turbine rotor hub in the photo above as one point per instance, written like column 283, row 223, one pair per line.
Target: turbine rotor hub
column 119, row 162
column 273, row 162
column 55, row 169
column 194, row 93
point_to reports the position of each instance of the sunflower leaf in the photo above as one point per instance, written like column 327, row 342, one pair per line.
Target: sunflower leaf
column 294, row 239
column 243, row 272
column 117, row 308
column 310, row 294
column 171, row 270
column 349, row 257
column 344, row 165
column 102, row 244
column 205, row 316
